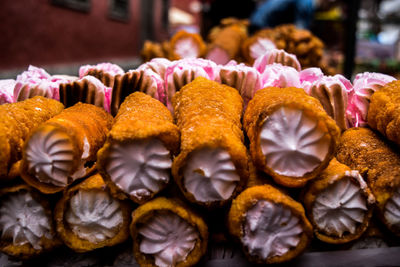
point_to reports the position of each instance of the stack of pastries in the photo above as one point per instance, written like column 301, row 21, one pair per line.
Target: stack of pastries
column 285, row 156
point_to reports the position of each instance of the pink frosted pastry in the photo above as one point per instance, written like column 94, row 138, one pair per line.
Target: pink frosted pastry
column 158, row 65
column 87, row 90
column 182, row 72
column 308, row 76
column 7, row 91
column 246, row 80
column 365, row 84
column 143, row 79
column 36, row 81
column 110, row 68
column 276, row 56
column 277, row 75
column 260, row 47
column 332, row 92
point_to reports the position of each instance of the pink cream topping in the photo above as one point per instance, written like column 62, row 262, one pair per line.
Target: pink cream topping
column 365, row 84
column 7, row 91
column 276, row 56
column 278, row 75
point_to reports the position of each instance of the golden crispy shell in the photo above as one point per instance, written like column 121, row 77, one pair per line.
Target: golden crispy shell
column 334, row 173
column 27, row 251
column 229, row 39
column 247, row 199
column 264, row 103
column 79, row 124
column 144, row 212
column 376, row 160
column 140, row 117
column 384, row 111
column 73, row 241
column 180, row 35
column 151, row 50
column 208, row 115
column 17, row 120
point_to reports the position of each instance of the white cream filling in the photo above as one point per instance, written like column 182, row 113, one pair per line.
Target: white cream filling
column 50, row 157
column 168, row 238
column 186, row 48
column 210, row 175
column 218, row 55
column 94, row 215
column 340, row 208
column 270, row 230
column 292, row 142
column 23, row 220
column 392, row 209
column 260, row 47
column 139, row 168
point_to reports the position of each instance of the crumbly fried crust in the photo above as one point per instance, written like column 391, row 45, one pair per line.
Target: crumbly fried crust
column 146, row 211
column 248, row 198
column 140, row 117
column 384, row 111
column 208, row 115
column 73, row 241
column 17, row 120
column 265, row 102
column 364, row 150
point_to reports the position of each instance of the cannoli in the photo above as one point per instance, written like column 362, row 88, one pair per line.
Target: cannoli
column 7, row 91
column 105, row 72
column 88, row 217
column 277, row 75
column 276, row 56
column 339, row 204
column 363, row 150
column 37, row 82
column 63, row 149
column 212, row 166
column 364, row 85
column 26, row 224
column 16, row 122
column 226, row 45
column 245, row 79
column 271, row 226
column 88, row 90
column 332, row 92
column 258, row 44
column 136, row 159
column 186, row 45
column 291, row 136
column 384, row 111
column 182, row 72
column 167, row 233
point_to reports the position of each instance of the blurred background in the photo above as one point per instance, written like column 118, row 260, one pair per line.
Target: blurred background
column 61, row 35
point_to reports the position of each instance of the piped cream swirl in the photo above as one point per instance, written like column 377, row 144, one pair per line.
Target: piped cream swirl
column 168, row 238
column 392, row 210
column 139, row 168
column 186, row 48
column 94, row 215
column 50, row 157
column 270, row 230
column 23, row 220
column 340, row 208
column 210, row 175
column 292, row 142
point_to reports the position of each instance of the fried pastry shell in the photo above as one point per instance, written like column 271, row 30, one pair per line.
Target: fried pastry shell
column 94, row 183
column 362, row 200
column 71, row 140
column 26, row 251
column 141, row 119
column 272, row 101
column 247, row 200
column 146, row 211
